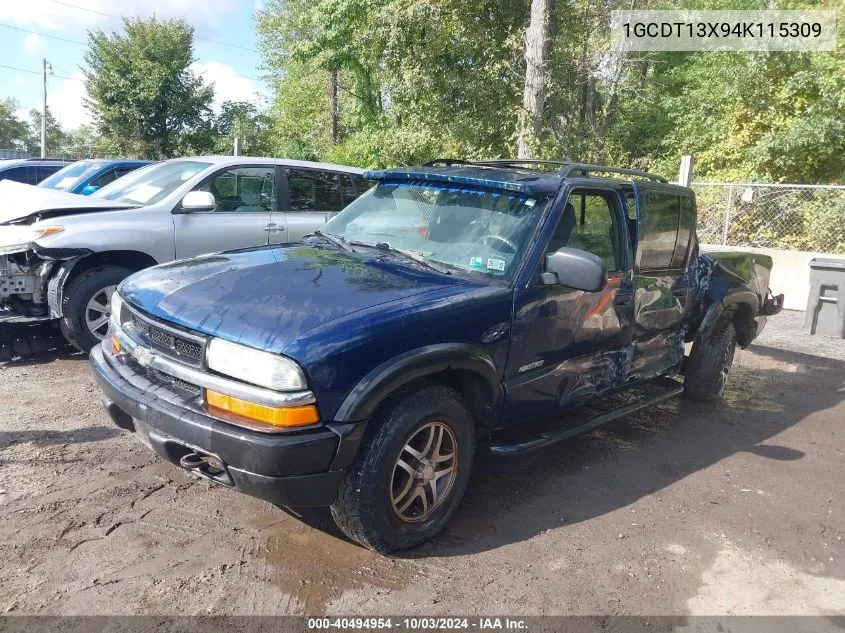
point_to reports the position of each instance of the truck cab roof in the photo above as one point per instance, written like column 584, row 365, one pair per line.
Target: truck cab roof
column 526, row 175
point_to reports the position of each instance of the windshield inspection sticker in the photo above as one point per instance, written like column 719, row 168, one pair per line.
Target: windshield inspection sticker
column 476, row 262
column 496, row 264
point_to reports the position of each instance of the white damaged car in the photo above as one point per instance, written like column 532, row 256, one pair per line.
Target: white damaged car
column 62, row 255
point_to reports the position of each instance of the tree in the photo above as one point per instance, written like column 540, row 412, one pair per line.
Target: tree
column 13, row 131
column 386, row 82
column 241, row 119
column 141, row 91
column 56, row 137
column 414, row 79
column 537, row 41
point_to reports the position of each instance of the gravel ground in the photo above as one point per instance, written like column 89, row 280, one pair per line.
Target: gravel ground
column 732, row 508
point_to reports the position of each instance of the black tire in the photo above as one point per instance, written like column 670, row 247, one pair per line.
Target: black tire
column 710, row 361
column 364, row 510
column 77, row 294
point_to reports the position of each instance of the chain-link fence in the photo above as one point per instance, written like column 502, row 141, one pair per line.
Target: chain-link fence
column 793, row 217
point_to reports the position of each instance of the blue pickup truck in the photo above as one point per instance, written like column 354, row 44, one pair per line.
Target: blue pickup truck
column 455, row 306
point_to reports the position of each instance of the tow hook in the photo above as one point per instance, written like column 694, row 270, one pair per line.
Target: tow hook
column 193, row 461
column 206, row 466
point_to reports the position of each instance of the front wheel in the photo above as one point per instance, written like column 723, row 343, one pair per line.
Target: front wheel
column 412, row 469
column 707, row 373
column 86, row 305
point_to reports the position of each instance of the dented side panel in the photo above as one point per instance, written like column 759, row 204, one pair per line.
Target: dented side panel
column 567, row 347
column 660, row 305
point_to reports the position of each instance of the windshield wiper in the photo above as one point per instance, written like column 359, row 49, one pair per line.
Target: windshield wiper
column 412, row 255
column 337, row 240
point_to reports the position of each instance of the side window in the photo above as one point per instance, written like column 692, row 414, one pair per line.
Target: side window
column 312, row 190
column 660, row 233
column 347, row 189
column 685, row 228
column 362, row 185
column 588, row 223
column 45, row 171
column 631, row 205
column 25, row 175
column 103, row 179
column 243, row 189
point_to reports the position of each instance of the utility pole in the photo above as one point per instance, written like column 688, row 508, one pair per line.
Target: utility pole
column 44, row 112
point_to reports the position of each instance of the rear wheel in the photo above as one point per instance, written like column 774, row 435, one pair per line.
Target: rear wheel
column 710, row 362
column 86, row 305
column 411, row 471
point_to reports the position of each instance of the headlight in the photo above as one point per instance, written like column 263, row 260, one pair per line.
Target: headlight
column 116, row 309
column 254, row 366
column 14, row 238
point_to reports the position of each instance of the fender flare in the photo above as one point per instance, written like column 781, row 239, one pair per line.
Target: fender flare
column 378, row 384
column 735, row 300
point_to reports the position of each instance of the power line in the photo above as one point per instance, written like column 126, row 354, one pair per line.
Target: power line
column 120, row 17
column 38, row 72
column 52, row 37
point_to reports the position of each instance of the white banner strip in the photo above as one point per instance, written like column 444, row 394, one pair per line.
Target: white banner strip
column 724, row 30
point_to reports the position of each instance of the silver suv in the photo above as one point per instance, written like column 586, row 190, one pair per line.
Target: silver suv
column 62, row 255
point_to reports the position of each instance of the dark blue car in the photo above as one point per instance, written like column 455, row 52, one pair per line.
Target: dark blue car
column 453, row 306
column 30, row 171
column 87, row 176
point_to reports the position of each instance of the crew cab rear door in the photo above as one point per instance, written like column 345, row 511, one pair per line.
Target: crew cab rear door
column 666, row 224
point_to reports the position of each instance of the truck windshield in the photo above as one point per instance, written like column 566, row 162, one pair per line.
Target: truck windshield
column 68, row 177
column 150, row 184
column 471, row 228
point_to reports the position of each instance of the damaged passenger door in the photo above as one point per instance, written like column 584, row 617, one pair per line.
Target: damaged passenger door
column 666, row 221
column 567, row 345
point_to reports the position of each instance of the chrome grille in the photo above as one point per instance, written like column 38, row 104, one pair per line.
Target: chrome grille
column 182, row 346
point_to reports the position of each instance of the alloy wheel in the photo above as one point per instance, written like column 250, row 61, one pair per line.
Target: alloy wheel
column 98, row 311
column 424, row 473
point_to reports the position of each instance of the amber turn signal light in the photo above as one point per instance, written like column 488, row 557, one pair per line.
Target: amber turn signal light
column 115, row 345
column 282, row 417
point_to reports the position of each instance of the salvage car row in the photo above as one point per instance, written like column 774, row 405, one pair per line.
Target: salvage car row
column 359, row 360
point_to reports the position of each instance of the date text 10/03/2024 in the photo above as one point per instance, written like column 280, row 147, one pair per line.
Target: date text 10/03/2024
column 418, row 623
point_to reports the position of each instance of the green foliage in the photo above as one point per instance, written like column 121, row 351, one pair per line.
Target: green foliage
column 142, row 94
column 427, row 78
column 417, row 79
column 243, row 120
column 13, row 131
column 56, row 137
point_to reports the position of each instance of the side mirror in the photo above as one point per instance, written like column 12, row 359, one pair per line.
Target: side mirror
column 87, row 190
column 197, row 201
column 575, row 268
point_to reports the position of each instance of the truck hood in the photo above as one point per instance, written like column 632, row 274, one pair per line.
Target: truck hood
column 267, row 297
column 26, row 202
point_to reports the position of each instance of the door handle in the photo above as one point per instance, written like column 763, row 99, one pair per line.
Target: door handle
column 274, row 228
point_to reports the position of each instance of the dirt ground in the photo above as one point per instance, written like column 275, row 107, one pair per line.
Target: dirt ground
column 733, row 508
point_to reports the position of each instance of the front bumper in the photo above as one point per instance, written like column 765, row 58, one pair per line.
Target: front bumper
column 302, row 468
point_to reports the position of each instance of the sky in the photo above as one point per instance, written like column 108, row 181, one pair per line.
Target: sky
column 30, row 30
